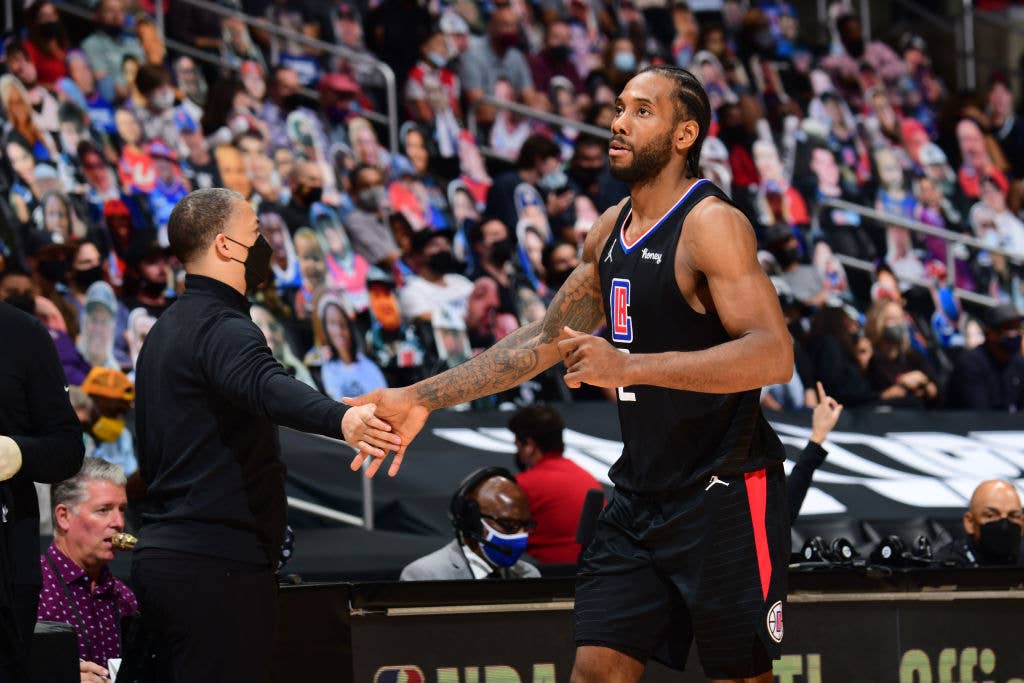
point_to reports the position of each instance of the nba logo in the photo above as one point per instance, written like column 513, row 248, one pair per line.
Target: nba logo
column 399, row 674
column 775, row 621
column 622, row 324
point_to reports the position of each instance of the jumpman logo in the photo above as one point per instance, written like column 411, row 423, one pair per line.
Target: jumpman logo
column 715, row 480
column 608, row 258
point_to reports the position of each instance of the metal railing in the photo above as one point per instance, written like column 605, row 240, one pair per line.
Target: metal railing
column 390, row 118
column 366, row 521
column 948, row 236
column 528, row 112
column 186, row 50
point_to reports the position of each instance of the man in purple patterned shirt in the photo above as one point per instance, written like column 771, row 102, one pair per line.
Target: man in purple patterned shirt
column 78, row 588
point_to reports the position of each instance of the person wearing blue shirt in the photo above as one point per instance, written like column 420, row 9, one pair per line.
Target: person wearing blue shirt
column 347, row 372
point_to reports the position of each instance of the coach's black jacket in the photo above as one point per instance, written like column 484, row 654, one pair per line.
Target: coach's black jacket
column 209, row 395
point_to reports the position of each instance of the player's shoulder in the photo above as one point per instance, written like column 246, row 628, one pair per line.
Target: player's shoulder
column 603, row 227
column 715, row 219
column 714, row 209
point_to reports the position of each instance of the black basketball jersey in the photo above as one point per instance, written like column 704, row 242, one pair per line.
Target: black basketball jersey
column 672, row 438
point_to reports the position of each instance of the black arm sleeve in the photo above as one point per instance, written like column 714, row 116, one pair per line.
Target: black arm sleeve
column 53, row 452
column 236, row 360
column 800, row 477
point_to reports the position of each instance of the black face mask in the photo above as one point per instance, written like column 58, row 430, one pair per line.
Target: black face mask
column 293, row 102
column 112, row 31
column 999, row 542
column 25, row 301
column 257, row 263
column 585, row 177
column 152, row 289
column 1010, row 344
column 54, row 270
column 311, row 195
column 84, row 278
column 894, row 333
column 444, row 262
column 788, row 257
column 49, row 30
column 501, row 252
column 560, row 53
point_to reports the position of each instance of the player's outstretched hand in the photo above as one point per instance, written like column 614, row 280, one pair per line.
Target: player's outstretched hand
column 825, row 416
column 400, row 410
column 591, row 360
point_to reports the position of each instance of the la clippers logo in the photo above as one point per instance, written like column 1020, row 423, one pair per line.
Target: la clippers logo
column 622, row 324
column 775, row 621
column 399, row 674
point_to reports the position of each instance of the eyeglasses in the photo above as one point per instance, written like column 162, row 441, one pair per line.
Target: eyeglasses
column 508, row 525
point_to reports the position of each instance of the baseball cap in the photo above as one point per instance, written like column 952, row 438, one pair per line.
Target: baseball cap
column 339, row 82
column 931, row 155
column 1003, row 314
column 159, row 150
column 452, row 23
column 39, row 241
column 912, row 41
column 101, row 294
column 421, row 238
column 115, row 207
column 108, row 383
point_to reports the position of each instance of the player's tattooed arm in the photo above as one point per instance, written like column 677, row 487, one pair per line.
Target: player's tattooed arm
column 519, row 356
column 532, row 348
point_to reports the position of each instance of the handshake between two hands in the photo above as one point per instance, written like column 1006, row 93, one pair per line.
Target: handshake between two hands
column 386, row 420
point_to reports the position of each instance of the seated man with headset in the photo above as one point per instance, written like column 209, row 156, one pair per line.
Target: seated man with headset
column 491, row 516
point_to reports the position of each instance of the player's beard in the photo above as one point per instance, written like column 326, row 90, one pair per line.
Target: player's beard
column 648, row 161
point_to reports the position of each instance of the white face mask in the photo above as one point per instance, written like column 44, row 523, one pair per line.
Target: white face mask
column 163, row 99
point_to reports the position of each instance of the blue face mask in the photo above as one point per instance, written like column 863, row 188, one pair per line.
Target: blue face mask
column 437, row 60
column 624, row 61
column 503, row 550
column 554, row 181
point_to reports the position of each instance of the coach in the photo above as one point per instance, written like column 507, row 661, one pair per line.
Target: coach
column 209, row 394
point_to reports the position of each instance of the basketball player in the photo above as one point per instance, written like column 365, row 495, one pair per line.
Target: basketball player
column 695, row 539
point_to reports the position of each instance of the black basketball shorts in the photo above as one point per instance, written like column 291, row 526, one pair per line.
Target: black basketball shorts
column 707, row 564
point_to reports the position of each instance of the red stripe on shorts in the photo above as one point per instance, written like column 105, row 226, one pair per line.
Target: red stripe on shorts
column 757, row 499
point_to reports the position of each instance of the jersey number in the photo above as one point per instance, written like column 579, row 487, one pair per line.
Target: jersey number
column 622, row 324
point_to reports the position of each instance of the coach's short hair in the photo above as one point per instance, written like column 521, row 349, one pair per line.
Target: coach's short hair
column 197, row 218
column 71, row 492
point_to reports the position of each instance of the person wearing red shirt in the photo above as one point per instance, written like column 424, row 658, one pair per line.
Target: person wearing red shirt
column 47, row 43
column 555, row 485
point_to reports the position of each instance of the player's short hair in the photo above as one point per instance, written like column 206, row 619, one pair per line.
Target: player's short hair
column 691, row 102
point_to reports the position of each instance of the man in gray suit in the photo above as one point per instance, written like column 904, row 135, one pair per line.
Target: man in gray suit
column 491, row 516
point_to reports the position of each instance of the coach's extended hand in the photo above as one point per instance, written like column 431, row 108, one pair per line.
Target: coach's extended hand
column 366, row 432
column 591, row 360
column 403, row 414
